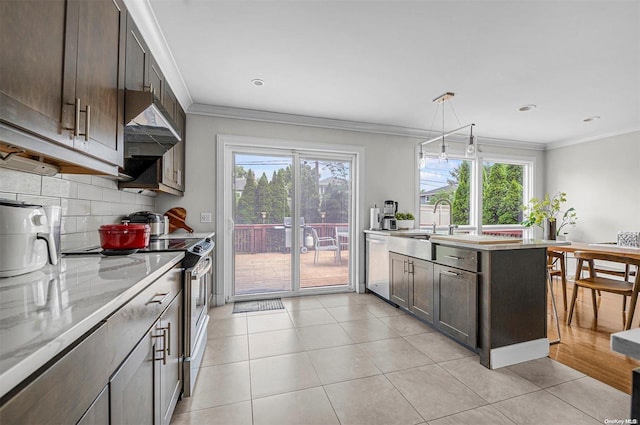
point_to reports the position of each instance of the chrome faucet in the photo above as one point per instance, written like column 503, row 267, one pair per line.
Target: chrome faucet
column 435, row 208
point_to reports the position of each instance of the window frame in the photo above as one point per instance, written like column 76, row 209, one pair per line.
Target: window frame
column 477, row 163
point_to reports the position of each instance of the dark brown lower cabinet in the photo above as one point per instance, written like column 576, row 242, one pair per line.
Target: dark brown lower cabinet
column 146, row 387
column 399, row 281
column 98, row 413
column 456, row 303
column 133, row 387
column 171, row 370
column 421, row 289
column 412, row 284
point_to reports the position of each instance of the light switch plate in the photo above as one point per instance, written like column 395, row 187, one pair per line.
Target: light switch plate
column 205, row 217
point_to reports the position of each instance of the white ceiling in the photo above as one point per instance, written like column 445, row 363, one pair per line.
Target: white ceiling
column 383, row 62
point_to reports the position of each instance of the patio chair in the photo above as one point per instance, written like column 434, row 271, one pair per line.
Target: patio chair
column 325, row 244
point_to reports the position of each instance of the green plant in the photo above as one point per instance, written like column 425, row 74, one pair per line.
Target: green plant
column 549, row 208
column 404, row 216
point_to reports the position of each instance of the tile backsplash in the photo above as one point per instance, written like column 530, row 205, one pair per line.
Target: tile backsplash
column 87, row 201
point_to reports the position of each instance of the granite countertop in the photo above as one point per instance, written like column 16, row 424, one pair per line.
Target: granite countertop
column 627, row 343
column 44, row 312
column 482, row 242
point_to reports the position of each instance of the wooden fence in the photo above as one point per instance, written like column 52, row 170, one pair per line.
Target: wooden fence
column 261, row 238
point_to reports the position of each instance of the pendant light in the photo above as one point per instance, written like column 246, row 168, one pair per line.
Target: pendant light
column 471, row 149
column 443, row 149
column 471, row 146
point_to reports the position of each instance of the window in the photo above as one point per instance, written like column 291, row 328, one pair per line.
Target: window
column 483, row 192
column 449, row 181
column 502, row 193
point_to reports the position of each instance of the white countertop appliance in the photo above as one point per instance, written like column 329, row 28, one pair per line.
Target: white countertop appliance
column 155, row 220
column 388, row 217
column 27, row 241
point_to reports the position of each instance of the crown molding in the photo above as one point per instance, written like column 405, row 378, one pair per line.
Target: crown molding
column 334, row 124
column 147, row 23
column 563, row 143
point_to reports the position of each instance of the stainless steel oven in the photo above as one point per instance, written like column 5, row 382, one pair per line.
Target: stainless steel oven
column 198, row 271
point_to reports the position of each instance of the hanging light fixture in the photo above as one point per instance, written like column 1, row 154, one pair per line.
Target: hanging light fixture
column 470, row 151
column 443, row 148
column 471, row 147
column 443, row 152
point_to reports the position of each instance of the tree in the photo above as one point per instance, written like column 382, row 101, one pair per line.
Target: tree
column 336, row 202
column 460, row 204
column 309, row 192
column 278, row 205
column 245, row 210
column 447, row 194
column 502, row 194
column 263, row 199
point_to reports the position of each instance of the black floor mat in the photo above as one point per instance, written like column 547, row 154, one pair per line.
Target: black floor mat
column 258, row 305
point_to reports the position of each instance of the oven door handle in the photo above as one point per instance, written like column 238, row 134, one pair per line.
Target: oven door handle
column 202, row 272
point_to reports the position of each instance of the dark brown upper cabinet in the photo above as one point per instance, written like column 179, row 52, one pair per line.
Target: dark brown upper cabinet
column 32, row 66
column 62, row 80
column 93, row 95
column 137, row 60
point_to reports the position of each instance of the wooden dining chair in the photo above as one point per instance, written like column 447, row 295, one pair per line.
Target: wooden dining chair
column 596, row 282
column 556, row 267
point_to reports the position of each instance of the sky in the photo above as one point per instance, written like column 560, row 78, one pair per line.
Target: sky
column 435, row 173
column 268, row 164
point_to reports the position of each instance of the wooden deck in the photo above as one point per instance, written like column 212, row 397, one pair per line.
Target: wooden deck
column 271, row 272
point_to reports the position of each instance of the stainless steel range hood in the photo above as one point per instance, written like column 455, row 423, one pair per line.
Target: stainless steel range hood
column 149, row 130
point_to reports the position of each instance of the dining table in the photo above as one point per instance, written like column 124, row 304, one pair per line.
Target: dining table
column 606, row 248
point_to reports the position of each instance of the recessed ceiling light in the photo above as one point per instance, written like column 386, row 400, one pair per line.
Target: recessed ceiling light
column 525, row 108
column 257, row 82
column 593, row 118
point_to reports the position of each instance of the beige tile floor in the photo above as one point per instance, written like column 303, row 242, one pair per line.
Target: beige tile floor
column 354, row 359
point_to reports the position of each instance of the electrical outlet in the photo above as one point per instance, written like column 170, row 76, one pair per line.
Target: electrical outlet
column 205, row 217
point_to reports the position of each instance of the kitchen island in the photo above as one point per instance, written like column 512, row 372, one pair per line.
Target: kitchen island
column 66, row 329
column 488, row 293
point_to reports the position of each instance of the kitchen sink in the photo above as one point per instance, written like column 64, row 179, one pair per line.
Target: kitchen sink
column 418, row 247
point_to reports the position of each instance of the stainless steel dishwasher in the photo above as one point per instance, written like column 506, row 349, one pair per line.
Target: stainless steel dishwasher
column 378, row 264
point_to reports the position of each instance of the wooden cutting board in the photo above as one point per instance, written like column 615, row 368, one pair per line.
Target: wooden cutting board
column 177, row 218
column 477, row 239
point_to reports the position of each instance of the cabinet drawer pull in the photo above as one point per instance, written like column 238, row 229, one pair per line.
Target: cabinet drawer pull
column 453, row 257
column 164, row 296
column 404, row 264
column 76, row 117
column 450, row 273
column 163, row 350
column 168, row 329
column 87, row 123
column 410, row 267
column 150, row 87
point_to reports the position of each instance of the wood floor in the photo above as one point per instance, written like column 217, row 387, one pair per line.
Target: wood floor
column 586, row 344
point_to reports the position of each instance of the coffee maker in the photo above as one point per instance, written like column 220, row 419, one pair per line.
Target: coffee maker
column 388, row 216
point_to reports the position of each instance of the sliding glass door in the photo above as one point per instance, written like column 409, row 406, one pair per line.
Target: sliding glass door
column 291, row 221
column 325, row 202
column 262, row 223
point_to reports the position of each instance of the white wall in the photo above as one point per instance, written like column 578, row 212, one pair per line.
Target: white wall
column 602, row 182
column 389, row 164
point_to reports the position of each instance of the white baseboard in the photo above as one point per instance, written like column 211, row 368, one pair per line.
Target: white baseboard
column 519, row 353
